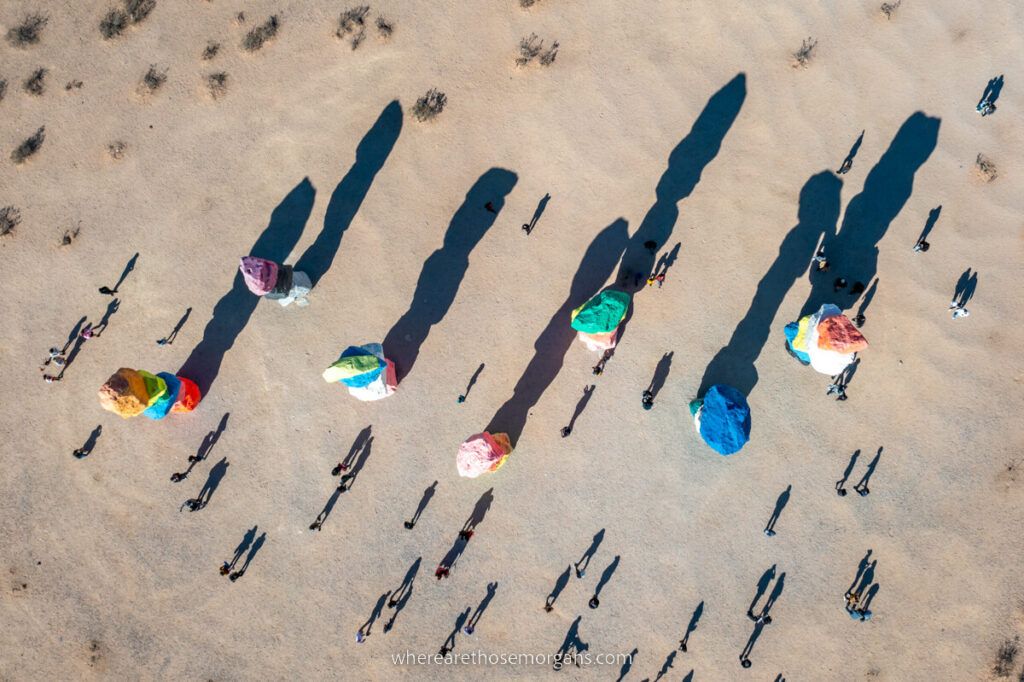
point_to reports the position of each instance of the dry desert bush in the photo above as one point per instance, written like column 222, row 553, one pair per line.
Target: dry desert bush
column 1005, row 657
column 217, row 84
column 36, row 83
column 352, row 25
column 153, row 80
column 117, row 149
column 212, row 48
column 3, row 88
column 28, row 31
column 29, row 147
column 802, row 57
column 263, row 33
column 532, row 47
column 430, row 105
column 70, row 235
column 889, row 8
column 527, row 3
column 73, row 85
column 116, row 20
column 985, row 168
column 385, row 27
column 9, row 219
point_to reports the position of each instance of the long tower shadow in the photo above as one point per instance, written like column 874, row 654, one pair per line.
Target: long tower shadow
column 233, row 310
column 817, row 215
column 551, row 346
column 287, row 221
column 853, row 252
column 444, row 270
column 685, row 165
column 348, row 196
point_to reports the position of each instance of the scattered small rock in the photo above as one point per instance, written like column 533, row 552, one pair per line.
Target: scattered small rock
column 117, row 149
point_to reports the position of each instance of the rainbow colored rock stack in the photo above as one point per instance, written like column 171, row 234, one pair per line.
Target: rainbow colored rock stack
column 131, row 392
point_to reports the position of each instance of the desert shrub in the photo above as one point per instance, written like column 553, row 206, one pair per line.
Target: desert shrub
column 802, row 57
column 28, row 31
column 352, row 25
column 212, row 48
column 113, row 24
column 73, row 85
column 548, row 57
column 218, row 84
column 1005, row 658
column 3, row 88
column 985, row 168
column 70, row 235
column 137, row 10
column 29, row 146
column 36, row 83
column 385, row 27
column 430, row 105
column 532, row 47
column 529, row 48
column 9, row 219
column 889, row 8
column 527, row 3
column 255, row 38
column 154, row 79
column 117, row 149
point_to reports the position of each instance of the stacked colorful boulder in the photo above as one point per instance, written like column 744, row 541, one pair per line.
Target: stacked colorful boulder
column 131, row 392
column 277, row 282
column 597, row 320
column 365, row 371
column 722, row 418
column 482, row 453
column 826, row 340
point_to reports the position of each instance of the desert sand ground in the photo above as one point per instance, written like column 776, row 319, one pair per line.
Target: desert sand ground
column 687, row 115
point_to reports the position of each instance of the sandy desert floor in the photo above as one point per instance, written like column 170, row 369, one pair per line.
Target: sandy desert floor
column 682, row 122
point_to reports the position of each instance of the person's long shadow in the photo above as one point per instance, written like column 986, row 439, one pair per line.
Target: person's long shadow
column 112, row 307
column 686, row 163
column 449, row 642
column 378, row 609
column 929, row 224
column 232, row 312
column 846, row 473
column 666, row 666
column 401, row 596
column 606, row 575
column 581, row 565
column 660, row 374
column 963, row 293
column 73, row 334
column 246, row 542
column 817, row 215
column 861, row 567
column 480, row 510
column 581, row 405
column 762, row 587
column 348, row 196
column 694, row 619
column 357, row 446
column 209, row 440
column 992, row 90
column 853, row 251
column 869, row 597
column 472, row 381
column 492, row 589
column 129, row 266
column 862, row 485
column 560, row 582
column 853, row 151
column 256, row 546
column 213, row 480
column 428, row 493
column 444, row 269
column 780, row 504
column 349, row 479
column 627, row 665
column 572, row 642
column 90, row 442
column 551, row 346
